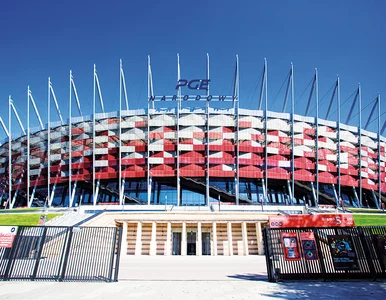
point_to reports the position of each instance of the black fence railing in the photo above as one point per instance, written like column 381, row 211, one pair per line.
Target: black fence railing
column 325, row 253
column 62, row 254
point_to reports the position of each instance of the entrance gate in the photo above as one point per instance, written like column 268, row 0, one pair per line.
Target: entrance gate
column 62, row 254
column 191, row 243
column 325, row 253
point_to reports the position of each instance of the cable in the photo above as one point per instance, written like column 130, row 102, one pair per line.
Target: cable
column 376, row 118
column 285, row 80
column 306, row 88
column 325, row 95
column 364, row 108
column 250, row 97
column 344, row 102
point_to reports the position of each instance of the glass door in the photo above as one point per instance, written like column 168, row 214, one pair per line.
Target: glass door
column 191, row 243
column 176, row 243
column 205, row 243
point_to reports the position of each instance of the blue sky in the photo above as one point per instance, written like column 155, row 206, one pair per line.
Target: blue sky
column 47, row 38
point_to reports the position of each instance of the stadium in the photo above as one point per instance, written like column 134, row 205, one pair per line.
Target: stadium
column 228, row 158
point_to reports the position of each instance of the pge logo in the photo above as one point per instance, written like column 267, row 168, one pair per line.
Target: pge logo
column 195, row 84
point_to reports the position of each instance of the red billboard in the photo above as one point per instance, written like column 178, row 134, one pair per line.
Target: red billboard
column 290, row 246
column 320, row 221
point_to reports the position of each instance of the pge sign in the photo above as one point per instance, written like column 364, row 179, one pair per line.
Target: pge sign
column 7, row 235
column 195, row 84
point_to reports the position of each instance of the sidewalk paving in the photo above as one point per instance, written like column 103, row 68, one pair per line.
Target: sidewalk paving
column 192, row 277
column 186, row 290
column 200, row 268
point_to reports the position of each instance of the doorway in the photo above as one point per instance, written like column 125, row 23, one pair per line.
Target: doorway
column 176, row 243
column 191, row 243
column 205, row 243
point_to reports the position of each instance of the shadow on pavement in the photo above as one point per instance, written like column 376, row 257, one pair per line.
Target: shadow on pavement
column 252, row 277
column 328, row 290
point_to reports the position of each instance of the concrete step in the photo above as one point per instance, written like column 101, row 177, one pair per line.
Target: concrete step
column 68, row 219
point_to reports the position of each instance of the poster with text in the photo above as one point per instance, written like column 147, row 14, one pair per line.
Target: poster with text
column 290, row 246
column 7, row 235
column 343, row 252
column 309, row 245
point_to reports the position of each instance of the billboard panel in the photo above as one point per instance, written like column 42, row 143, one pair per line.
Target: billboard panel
column 320, row 221
column 343, row 252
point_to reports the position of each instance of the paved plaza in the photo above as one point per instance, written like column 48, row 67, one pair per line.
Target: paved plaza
column 192, row 277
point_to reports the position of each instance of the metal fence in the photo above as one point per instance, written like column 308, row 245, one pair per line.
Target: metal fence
column 62, row 254
column 325, row 253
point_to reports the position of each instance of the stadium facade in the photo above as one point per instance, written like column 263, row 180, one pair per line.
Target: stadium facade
column 185, row 156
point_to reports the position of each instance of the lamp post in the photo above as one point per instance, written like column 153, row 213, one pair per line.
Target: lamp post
column 166, row 202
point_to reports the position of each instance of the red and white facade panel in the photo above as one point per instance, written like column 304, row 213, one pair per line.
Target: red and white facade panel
column 196, row 143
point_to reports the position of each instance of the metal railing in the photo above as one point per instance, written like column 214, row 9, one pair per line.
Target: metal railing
column 62, row 254
column 325, row 253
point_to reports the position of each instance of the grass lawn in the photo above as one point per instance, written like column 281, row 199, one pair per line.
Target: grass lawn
column 24, row 219
column 17, row 210
column 365, row 210
column 370, row 220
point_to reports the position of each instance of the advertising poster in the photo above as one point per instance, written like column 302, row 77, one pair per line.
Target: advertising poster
column 290, row 246
column 380, row 242
column 309, row 245
column 343, row 252
column 7, row 235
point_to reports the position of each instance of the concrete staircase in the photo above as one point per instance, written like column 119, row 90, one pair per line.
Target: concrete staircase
column 252, row 239
column 237, row 239
column 69, row 218
column 131, row 238
column 161, row 238
column 146, row 238
column 222, row 239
